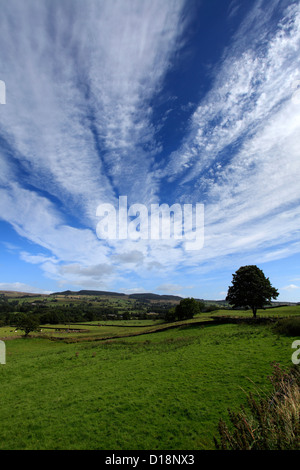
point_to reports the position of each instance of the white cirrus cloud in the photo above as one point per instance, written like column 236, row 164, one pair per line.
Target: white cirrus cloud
column 80, row 81
column 241, row 155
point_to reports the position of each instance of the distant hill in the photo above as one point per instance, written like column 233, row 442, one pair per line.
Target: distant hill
column 142, row 297
column 150, row 296
column 11, row 293
column 147, row 296
column 88, row 292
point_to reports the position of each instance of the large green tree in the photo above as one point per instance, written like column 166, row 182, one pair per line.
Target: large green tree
column 27, row 322
column 250, row 288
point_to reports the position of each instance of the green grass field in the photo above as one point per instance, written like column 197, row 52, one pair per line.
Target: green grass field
column 163, row 391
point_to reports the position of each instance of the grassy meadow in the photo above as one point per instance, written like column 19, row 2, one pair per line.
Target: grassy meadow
column 161, row 391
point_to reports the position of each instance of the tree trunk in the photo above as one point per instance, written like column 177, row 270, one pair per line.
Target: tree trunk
column 254, row 310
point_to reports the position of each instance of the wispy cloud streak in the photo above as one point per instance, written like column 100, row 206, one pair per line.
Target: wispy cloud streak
column 241, row 156
column 79, row 85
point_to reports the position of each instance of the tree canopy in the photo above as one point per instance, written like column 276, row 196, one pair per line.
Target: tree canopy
column 27, row 322
column 250, row 288
column 187, row 308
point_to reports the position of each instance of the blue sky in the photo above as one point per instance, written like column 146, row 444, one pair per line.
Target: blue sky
column 162, row 101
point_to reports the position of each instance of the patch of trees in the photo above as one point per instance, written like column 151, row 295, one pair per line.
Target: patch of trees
column 55, row 313
column 186, row 309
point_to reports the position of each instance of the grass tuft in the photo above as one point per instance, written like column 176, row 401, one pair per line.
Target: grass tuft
column 272, row 422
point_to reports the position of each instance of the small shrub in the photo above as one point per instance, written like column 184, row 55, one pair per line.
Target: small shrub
column 272, row 422
column 211, row 308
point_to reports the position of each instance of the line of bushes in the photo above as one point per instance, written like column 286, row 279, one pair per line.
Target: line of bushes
column 288, row 326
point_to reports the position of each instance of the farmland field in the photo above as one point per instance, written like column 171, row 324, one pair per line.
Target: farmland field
column 160, row 391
